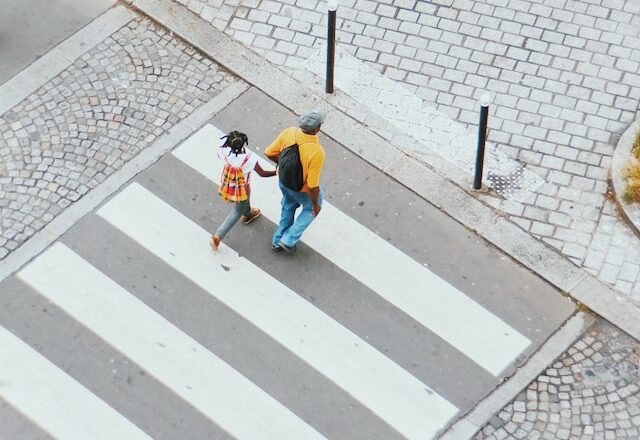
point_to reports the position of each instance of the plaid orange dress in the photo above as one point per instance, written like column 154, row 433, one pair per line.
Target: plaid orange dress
column 233, row 185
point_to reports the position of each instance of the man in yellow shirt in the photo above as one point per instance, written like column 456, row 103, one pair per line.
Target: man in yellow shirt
column 290, row 229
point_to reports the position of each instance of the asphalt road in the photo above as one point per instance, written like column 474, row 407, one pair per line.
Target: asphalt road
column 243, row 308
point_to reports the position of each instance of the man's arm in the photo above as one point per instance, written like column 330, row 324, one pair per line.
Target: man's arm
column 314, row 193
column 273, row 157
column 313, row 179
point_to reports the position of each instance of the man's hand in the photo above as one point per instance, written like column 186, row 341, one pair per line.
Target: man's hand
column 316, row 210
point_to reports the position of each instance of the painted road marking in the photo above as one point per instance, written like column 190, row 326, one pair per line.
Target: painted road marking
column 440, row 307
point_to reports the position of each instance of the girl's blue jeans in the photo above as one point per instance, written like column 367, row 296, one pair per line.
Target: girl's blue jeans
column 239, row 209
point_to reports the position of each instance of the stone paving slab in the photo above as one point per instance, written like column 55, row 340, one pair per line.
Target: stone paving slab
column 85, row 123
column 564, row 75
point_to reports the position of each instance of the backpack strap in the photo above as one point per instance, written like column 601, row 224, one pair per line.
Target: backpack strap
column 244, row 161
column 295, row 139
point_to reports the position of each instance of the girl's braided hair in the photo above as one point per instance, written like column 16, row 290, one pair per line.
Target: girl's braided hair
column 236, row 141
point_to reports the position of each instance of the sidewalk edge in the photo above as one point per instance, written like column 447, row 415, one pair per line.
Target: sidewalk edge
column 467, row 426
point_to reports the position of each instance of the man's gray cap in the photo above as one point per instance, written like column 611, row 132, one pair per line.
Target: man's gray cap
column 311, row 120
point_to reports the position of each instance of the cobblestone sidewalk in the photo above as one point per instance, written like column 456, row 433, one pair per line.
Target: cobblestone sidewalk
column 84, row 124
column 591, row 393
column 564, row 75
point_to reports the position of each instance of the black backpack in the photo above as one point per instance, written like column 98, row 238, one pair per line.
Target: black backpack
column 290, row 168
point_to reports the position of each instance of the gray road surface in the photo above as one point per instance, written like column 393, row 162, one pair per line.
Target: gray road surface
column 374, row 200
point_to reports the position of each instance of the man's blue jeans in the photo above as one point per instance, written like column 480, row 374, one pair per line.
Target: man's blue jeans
column 289, row 230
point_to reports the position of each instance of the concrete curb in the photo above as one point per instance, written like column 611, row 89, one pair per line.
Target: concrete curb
column 62, row 56
column 621, row 155
column 454, row 200
column 59, row 225
column 467, row 426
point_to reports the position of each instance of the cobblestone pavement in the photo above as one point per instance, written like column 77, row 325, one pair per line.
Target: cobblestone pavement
column 83, row 125
column 565, row 80
column 591, row 393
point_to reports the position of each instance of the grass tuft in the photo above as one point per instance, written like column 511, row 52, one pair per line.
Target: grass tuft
column 635, row 149
column 632, row 174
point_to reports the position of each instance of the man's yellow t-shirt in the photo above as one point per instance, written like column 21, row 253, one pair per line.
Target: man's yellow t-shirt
column 311, row 154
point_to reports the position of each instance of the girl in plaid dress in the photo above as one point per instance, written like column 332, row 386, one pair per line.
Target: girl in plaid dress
column 234, row 183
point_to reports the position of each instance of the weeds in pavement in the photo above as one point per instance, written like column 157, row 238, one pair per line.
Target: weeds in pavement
column 632, row 174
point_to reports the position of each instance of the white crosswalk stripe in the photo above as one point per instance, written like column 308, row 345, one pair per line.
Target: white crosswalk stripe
column 178, row 361
column 53, row 400
column 433, row 302
column 343, row 357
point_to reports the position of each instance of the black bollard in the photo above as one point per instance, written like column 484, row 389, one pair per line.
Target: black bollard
column 332, row 6
column 482, row 139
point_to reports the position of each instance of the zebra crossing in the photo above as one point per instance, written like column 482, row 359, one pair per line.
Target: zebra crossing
column 331, row 377
column 447, row 311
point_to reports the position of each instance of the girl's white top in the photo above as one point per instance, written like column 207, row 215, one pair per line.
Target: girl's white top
column 236, row 161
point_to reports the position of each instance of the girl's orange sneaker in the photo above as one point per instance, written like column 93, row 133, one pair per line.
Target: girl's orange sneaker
column 215, row 242
column 255, row 213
